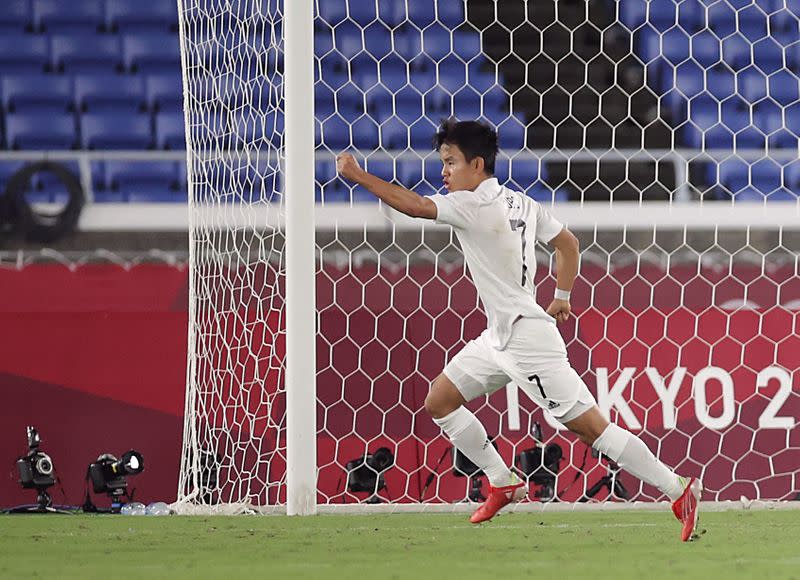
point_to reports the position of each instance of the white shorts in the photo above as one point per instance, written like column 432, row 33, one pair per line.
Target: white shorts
column 535, row 358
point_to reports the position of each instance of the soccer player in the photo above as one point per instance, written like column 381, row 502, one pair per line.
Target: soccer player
column 497, row 229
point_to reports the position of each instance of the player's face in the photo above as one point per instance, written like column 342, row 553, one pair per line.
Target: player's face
column 459, row 174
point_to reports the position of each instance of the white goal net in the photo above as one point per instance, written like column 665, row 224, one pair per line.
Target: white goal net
column 667, row 144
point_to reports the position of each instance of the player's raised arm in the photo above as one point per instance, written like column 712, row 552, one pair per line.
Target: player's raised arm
column 400, row 198
column 567, row 258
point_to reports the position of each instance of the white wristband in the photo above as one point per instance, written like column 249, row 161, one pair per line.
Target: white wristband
column 562, row 294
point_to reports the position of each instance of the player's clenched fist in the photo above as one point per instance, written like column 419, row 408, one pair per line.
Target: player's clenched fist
column 347, row 166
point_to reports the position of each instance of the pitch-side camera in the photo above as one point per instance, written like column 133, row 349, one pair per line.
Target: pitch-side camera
column 109, row 475
column 36, row 469
column 541, row 465
column 366, row 473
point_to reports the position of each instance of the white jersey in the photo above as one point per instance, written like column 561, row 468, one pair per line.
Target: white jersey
column 498, row 228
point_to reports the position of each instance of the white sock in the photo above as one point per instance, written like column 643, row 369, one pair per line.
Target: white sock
column 468, row 435
column 633, row 456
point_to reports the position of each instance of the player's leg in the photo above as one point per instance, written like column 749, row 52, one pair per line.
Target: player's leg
column 625, row 449
column 473, row 372
column 472, row 375
column 547, row 377
column 632, row 455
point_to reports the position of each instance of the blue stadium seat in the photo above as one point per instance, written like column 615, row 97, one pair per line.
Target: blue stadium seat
column 115, row 131
column 135, row 16
column 467, row 104
column 37, row 92
column 73, row 17
column 347, row 40
column 121, row 93
column 394, row 134
column 452, row 74
column 467, row 45
column 7, row 170
column 511, row 134
column 170, row 130
column 721, row 83
column 335, row 133
column 436, row 41
column 632, row 13
column 349, row 102
column 16, row 17
column 324, row 105
column 36, row 131
column 394, row 73
column 23, row 54
column 752, row 85
column 334, row 70
column 332, row 11
column 408, row 43
column 365, row 133
column 410, row 175
column 382, row 167
column 141, row 181
column 152, row 53
column 736, row 51
column 783, row 87
column 85, row 54
column 706, row 49
column 422, row 133
column 164, row 92
column 451, row 14
column 723, row 17
column 378, row 40
column 768, row 55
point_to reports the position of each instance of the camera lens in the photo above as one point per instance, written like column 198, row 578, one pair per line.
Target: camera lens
column 44, row 465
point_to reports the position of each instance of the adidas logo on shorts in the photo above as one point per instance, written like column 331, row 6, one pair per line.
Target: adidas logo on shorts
column 553, row 404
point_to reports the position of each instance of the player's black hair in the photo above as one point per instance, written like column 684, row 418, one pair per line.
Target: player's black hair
column 475, row 139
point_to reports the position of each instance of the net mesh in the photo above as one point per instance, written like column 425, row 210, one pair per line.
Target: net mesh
column 687, row 334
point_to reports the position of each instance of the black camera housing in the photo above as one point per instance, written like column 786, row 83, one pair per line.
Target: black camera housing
column 36, row 468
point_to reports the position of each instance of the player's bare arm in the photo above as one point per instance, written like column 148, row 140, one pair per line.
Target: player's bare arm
column 567, row 258
column 403, row 200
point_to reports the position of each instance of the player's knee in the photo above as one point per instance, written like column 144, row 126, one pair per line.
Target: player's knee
column 442, row 400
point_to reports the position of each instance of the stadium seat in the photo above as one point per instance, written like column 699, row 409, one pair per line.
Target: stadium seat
column 332, row 11
column 23, row 54
column 511, row 133
column 115, row 131
column 170, row 130
column 85, row 54
column 121, row 93
column 164, row 92
column 768, row 55
column 752, row 85
column 7, row 170
column 378, row 40
column 135, row 16
column 32, row 130
column 16, row 17
column 736, row 51
column 37, row 92
column 524, row 173
column 143, row 180
column 78, row 17
column 706, row 49
column 408, row 43
column 393, row 134
column 436, row 41
column 151, row 53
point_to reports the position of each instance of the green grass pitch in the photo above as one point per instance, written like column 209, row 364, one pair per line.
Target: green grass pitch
column 619, row 545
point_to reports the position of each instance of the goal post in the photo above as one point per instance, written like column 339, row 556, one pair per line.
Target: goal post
column 668, row 145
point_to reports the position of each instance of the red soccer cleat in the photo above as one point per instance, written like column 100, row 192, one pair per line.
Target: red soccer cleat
column 499, row 497
column 685, row 508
